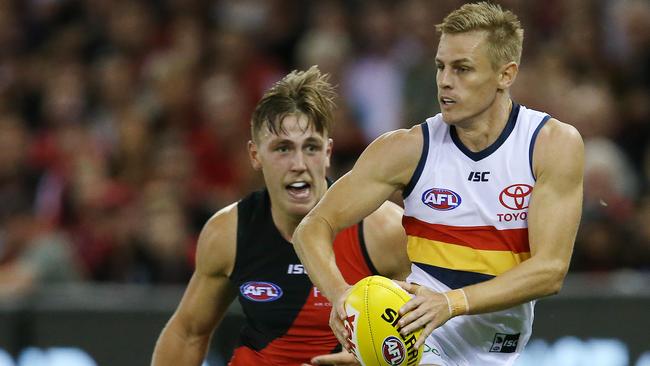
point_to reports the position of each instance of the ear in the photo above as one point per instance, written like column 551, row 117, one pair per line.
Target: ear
column 328, row 151
column 507, row 75
column 253, row 154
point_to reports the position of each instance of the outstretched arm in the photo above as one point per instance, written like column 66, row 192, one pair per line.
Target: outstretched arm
column 186, row 337
column 385, row 167
column 553, row 218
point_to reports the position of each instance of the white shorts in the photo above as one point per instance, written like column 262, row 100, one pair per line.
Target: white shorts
column 496, row 338
column 432, row 354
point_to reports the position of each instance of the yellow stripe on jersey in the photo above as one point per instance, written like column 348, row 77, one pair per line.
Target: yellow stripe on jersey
column 462, row 258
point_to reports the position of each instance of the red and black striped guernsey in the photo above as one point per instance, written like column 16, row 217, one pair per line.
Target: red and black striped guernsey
column 286, row 316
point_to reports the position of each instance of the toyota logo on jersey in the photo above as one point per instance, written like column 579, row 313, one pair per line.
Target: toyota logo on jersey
column 260, row 291
column 516, row 196
column 441, row 199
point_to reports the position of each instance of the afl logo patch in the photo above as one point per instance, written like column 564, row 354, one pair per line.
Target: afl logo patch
column 441, row 199
column 516, row 196
column 260, row 291
column 393, row 350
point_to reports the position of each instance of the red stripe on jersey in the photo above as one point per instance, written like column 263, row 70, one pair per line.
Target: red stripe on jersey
column 245, row 356
column 349, row 257
column 477, row 237
column 310, row 334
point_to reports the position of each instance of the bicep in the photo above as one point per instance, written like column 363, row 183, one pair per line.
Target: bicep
column 353, row 197
column 556, row 203
column 210, row 292
column 383, row 168
column 204, row 303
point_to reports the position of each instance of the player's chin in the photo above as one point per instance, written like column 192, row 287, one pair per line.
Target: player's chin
column 450, row 118
column 300, row 208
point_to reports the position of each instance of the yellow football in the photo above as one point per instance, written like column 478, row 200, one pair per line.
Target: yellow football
column 372, row 308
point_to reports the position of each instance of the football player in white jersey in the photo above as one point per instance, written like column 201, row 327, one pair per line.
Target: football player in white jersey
column 477, row 61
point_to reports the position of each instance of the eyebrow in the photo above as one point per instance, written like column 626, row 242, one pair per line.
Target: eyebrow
column 459, row 61
column 281, row 140
column 314, row 139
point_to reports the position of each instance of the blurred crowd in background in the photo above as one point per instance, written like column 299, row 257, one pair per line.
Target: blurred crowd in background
column 123, row 124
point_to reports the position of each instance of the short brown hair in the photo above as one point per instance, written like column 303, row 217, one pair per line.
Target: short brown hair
column 505, row 36
column 301, row 92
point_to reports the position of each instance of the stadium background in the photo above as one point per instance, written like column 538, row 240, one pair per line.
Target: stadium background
column 123, row 127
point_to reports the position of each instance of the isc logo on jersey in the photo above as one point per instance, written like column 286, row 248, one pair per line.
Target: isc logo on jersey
column 441, row 199
column 259, row 291
column 372, row 307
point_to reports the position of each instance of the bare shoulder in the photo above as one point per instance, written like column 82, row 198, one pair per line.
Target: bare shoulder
column 394, row 155
column 559, row 149
column 402, row 142
column 559, row 132
column 402, row 135
column 217, row 243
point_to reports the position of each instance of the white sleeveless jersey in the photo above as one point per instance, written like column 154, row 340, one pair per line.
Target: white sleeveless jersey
column 465, row 215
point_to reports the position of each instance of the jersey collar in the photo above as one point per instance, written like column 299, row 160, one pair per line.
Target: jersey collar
column 476, row 156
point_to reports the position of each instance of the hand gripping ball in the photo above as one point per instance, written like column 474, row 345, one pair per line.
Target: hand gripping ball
column 372, row 308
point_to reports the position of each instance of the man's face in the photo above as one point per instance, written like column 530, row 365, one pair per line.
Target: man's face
column 293, row 164
column 467, row 82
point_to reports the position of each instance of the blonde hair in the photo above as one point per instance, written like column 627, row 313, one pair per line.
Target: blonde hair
column 505, row 36
column 301, row 92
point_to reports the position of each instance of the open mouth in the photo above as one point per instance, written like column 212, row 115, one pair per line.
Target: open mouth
column 299, row 190
column 445, row 101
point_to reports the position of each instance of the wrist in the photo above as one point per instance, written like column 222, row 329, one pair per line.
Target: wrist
column 457, row 302
column 341, row 292
column 337, row 292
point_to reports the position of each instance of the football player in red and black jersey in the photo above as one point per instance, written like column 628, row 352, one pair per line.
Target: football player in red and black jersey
column 244, row 250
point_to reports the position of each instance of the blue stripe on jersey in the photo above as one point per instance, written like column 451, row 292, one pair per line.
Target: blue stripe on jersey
column 476, row 156
column 423, row 159
column 531, row 148
column 453, row 278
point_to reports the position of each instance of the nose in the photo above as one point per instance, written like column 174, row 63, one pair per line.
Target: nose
column 298, row 161
column 443, row 78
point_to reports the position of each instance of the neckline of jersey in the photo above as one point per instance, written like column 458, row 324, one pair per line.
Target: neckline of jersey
column 507, row 130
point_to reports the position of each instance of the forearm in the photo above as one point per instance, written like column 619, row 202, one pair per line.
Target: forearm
column 313, row 243
column 176, row 348
column 529, row 280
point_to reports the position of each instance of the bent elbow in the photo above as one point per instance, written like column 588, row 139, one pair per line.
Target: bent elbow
column 554, row 288
column 298, row 233
column 555, row 274
column 310, row 227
